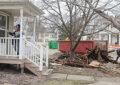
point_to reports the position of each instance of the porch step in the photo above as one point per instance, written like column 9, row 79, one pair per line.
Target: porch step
column 33, row 68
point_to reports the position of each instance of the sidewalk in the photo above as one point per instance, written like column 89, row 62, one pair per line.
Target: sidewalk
column 88, row 80
column 107, row 81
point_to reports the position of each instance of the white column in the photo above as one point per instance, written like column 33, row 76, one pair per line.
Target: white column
column 109, row 38
column 6, row 27
column 119, row 38
column 21, row 36
column 47, row 57
column 34, row 35
column 41, row 58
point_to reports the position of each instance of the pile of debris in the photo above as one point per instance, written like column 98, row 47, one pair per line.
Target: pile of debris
column 94, row 57
column 110, row 69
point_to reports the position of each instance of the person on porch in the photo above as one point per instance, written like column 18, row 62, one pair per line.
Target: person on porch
column 16, row 34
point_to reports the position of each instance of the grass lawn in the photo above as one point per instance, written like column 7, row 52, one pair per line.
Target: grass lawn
column 62, row 82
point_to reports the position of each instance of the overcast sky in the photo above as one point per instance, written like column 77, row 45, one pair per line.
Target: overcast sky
column 102, row 2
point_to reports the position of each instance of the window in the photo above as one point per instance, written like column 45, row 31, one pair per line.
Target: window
column 2, row 25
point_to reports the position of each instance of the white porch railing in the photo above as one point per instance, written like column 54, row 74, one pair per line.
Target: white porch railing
column 38, row 55
column 9, row 46
column 14, row 0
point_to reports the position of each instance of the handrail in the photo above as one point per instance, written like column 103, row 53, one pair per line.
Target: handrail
column 31, row 44
column 37, row 55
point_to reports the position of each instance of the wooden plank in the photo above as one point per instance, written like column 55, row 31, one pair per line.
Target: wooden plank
column 32, row 67
column 11, row 61
column 8, row 57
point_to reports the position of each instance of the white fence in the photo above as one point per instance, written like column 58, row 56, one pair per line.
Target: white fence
column 38, row 55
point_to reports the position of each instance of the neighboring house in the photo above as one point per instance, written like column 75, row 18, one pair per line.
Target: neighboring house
column 51, row 35
column 109, row 33
column 30, row 55
column 112, row 35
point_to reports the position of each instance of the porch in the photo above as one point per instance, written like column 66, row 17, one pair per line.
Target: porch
column 20, row 50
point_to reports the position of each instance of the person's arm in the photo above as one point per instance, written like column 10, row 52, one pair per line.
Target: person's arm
column 11, row 33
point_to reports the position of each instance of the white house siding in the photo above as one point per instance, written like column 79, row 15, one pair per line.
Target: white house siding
column 50, row 36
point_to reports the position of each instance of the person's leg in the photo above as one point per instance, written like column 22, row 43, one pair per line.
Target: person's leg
column 117, row 58
column 17, row 46
column 14, row 44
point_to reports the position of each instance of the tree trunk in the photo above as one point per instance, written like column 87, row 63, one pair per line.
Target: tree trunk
column 72, row 44
column 72, row 53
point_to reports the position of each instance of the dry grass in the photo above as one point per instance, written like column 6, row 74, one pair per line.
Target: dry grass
column 61, row 82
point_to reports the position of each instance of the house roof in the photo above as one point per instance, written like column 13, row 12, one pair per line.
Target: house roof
column 12, row 7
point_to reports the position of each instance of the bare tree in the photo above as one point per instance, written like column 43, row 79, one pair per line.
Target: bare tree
column 72, row 17
column 112, row 19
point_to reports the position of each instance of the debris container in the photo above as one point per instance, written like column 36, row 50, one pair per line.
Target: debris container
column 64, row 46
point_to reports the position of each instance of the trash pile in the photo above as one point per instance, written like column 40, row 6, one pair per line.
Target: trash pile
column 95, row 58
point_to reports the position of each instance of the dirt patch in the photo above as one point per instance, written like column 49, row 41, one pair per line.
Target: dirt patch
column 55, row 55
column 8, row 74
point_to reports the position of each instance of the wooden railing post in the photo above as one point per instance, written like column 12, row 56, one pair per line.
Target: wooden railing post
column 41, row 58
